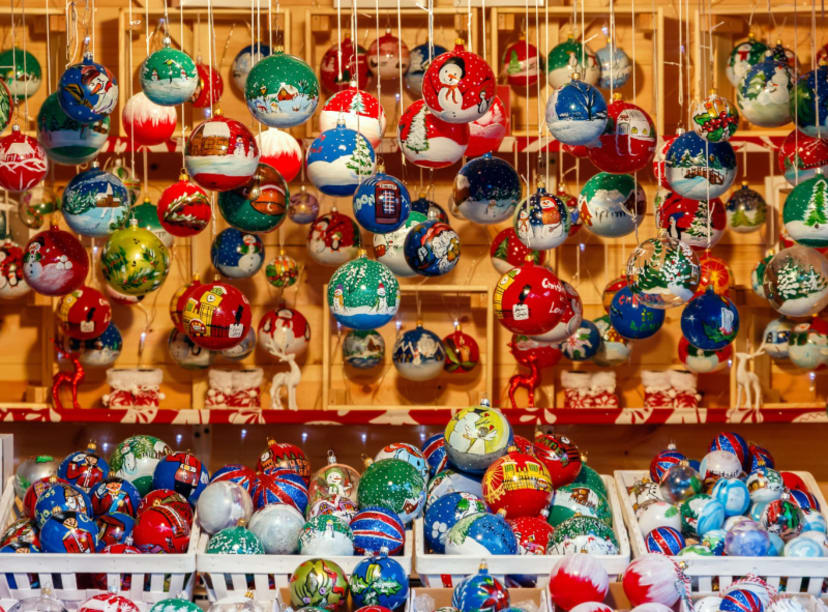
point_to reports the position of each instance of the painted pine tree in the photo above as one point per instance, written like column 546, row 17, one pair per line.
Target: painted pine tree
column 650, row 276
column 514, row 63
column 417, row 140
column 755, row 86
column 699, row 225
column 813, row 281
column 739, row 218
column 360, row 161
column 788, row 284
column 815, row 214
column 678, row 267
column 357, row 105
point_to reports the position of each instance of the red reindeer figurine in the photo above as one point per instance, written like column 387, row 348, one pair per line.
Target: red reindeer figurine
column 73, row 379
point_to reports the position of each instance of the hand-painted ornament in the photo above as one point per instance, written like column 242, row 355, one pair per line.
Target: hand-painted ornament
column 209, row 87
column 480, row 592
column 146, row 217
column 459, row 86
column 746, row 210
column 12, row 283
column 221, row 154
column 98, row 352
column 389, row 247
column 282, row 91
column 114, row 528
column 108, row 602
column 95, row 203
column 241, row 474
column 216, row 315
column 796, row 281
column 542, row 221
column 714, row 118
column 378, row 581
column 560, row 456
column 387, row 57
column 169, row 76
column 710, row 321
column 258, row 206
column 284, row 331
column 462, row 352
column 765, row 92
column 282, row 271
column 451, row 480
column 363, row 294
column 583, row 534
column 249, row 56
column 507, row 251
column 700, row 514
column 182, row 473
column 764, row 485
column 419, row 59
column 67, row 531
column 22, row 161
column 486, row 190
column 808, row 103
column 282, row 486
column 358, row 110
column 664, row 540
column 333, row 239
column 278, row 527
column 363, row 349
column 783, row 518
column 174, row 605
column 444, row 513
column 343, row 64
column 743, row 57
column 481, row 535
column 432, row 248
column 577, row 579
column 237, row 540
column 632, row 318
column 135, row 458
column 703, row 361
column 146, row 122
column 576, row 113
column 419, row 354
column 663, row 272
column 611, row 288
column 517, row 484
column 680, row 483
column 339, row 160
column 87, row 91
column 719, row 464
column 532, row 534
column 394, row 484
column 66, row 140
column 83, row 313
column 583, row 344
column 281, row 151
column 806, row 345
column 698, row 169
column 757, row 275
column 184, row 208
column 805, row 212
column 571, row 57
column 434, row 451
column 20, row 72
column 487, row 133
column 733, row 494
column 663, row 461
column 614, row 349
column 134, row 261
column 529, row 299
column 521, row 63
column 800, row 156
column 612, row 205
column 570, row 320
column 237, row 254
column 776, row 337
column 303, row 207
column 381, row 203
column 628, row 142
column 84, row 468
column 653, row 578
column 430, row 142
column 376, row 528
column 476, row 436
column 54, row 262
column 616, row 66
column 319, row 583
column 243, row 348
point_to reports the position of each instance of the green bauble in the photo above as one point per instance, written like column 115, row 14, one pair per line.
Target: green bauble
column 394, row 484
column 569, row 57
column 135, row 459
column 146, row 214
column 134, row 261
column 169, row 77
column 583, row 534
column 258, row 206
column 363, row 294
column 174, row 605
column 65, row 140
column 319, row 583
column 282, row 91
column 574, row 499
column 20, row 71
column 236, row 540
column 589, row 477
column 805, row 212
column 663, row 272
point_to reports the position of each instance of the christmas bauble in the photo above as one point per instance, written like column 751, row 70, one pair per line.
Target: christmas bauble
column 507, row 251
column 702, row 361
column 60, row 496
column 281, row 91
column 576, row 113
column 95, row 203
column 20, row 72
column 222, row 504
column 521, row 63
column 387, row 57
column 278, row 527
column 418, row 60
column 632, row 318
column 282, row 271
column 796, row 281
column 378, row 581
column 518, row 484
column 333, row 239
column 394, row 484
column 432, row 248
column 216, row 315
column 481, row 535
column 108, row 602
column 528, row 350
column 419, row 354
column 237, row 254
column 83, row 313
column 653, row 578
column 542, row 221
column 806, row 344
column 611, row 205
column 719, row 464
column 182, row 473
column 240, row 474
column 808, row 104
column 487, row 133
column 69, row 532
column 430, row 142
column 376, row 528
column 339, row 160
column 570, row 320
column 444, row 513
column 486, row 190
column 805, row 214
column 363, row 294
column 174, row 605
column 363, row 349
column 529, row 299
column 746, row 210
column 381, row 203
column 614, row 349
column 663, row 272
column 480, row 592
column 757, row 276
column 115, row 495
column 177, row 303
column 453, row 481
column 462, row 352
column 698, row 169
column 84, row 468
column 169, row 76
column 743, row 57
column 55, row 262
column 611, row 288
column 343, row 64
column 584, row 342
column 98, row 352
column 283, row 486
column 572, row 57
column 87, row 91
column 532, row 534
column 249, row 56
column 714, row 118
column 577, row 579
column 776, row 337
column 235, row 540
column 134, row 261
column 318, row 582
column 733, row 442
column 733, row 494
column 434, row 451
column 135, row 458
column 747, row 539
column 146, row 216
column 700, row 224
column 616, row 66
column 664, row 540
column 800, row 156
column 284, row 331
column 584, row 534
column 358, row 110
column 783, row 518
column 476, row 436
column 628, row 142
column 663, row 461
column 259, row 205
column 764, row 485
column 209, row 87
column 6, row 105
column 389, row 246
column 337, row 506
column 459, row 86
column 765, row 92
column 710, row 321
column 184, row 208
column 303, row 207
column 221, row 154
column 243, row 348
column 281, row 151
column 66, row 140
column 12, row 283
column 560, row 456
column 114, row 528
column 700, row 514
column 22, row 161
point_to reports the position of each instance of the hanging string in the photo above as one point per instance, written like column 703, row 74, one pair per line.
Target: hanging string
column 680, row 60
column 483, row 20
column 209, row 84
column 377, row 34
column 687, row 72
column 25, row 72
column 814, row 66
column 528, row 177
column 130, row 64
column 270, row 24
column 399, row 64
column 48, row 50
column 469, row 45
column 211, row 48
column 546, row 77
column 146, row 26
column 339, row 41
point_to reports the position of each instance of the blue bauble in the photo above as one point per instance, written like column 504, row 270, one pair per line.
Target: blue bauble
column 427, row 207
column 100, row 352
column 381, row 203
column 616, row 66
column 419, row 354
column 61, row 497
column 733, row 494
column 237, row 254
column 434, row 451
column 714, row 540
column 747, row 539
column 282, row 486
column 486, row 190
column 418, row 61
column 114, row 528
column 710, row 321
column 338, row 160
column 776, row 545
column 803, row 546
column 83, row 468
column 95, row 203
column 741, row 600
column 182, row 473
column 480, row 535
column 69, row 532
column 698, row 169
column 810, row 100
column 378, row 581
column 115, row 494
column 87, row 91
column 432, row 248
column 444, row 513
column 375, row 528
column 576, row 113
column 732, row 442
column 583, row 344
column 813, row 520
column 665, row 540
column 450, row 481
column 631, row 318
column 480, row 593
column 804, row 500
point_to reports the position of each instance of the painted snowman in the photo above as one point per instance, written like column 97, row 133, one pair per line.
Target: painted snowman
column 451, row 73
column 251, row 259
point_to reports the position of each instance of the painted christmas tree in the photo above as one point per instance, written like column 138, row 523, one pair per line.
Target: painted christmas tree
column 755, row 86
column 815, row 214
column 357, row 105
column 651, row 277
column 417, row 140
column 514, row 63
column 699, row 226
column 360, row 161
column 792, row 282
column 739, row 218
column 678, row 268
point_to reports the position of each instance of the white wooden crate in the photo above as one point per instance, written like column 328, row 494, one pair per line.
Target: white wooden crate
column 6, row 458
column 227, row 575
column 437, row 570
column 800, row 575
column 153, row 576
column 442, row 597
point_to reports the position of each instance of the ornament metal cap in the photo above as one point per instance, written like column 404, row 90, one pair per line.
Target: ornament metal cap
column 362, row 253
column 459, row 42
column 745, row 184
column 366, row 460
column 529, row 258
column 419, row 322
column 575, row 76
column 241, row 523
column 616, row 96
column 331, row 456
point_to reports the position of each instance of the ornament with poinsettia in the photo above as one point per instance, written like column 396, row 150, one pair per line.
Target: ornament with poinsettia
column 746, row 210
column 541, row 221
column 805, row 212
column 807, row 342
column 343, row 64
column 628, row 142
column 338, row 160
column 221, row 154
column 216, row 316
column 583, row 343
column 284, row 331
column 576, row 113
column 710, row 321
column 570, row 318
column 715, row 119
column 615, row 349
column 83, row 313
column 796, row 281
column 333, row 239
column 663, row 272
column 701, row 361
column 529, row 299
column 714, row 272
column 147, row 123
column 281, row 90
column 487, row 133
column 12, row 283
column 184, row 208
column 570, row 57
column 209, row 88
column 507, row 251
column 800, row 156
column 521, row 63
column 612, row 205
column 55, row 262
column 22, row 161
column 699, row 169
column 698, row 224
column 358, row 110
column 66, row 140
column 429, row 142
column 363, row 293
column 387, row 57
column 280, row 150
column 459, row 86
column 462, row 352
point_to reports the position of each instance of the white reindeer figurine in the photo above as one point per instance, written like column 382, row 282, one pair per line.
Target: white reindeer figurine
column 288, row 380
column 747, row 382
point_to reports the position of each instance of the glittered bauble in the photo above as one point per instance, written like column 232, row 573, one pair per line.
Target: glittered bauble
column 576, row 113
column 134, row 261
column 570, row 319
column 237, row 254
column 221, row 154
column 805, row 212
column 146, row 214
column 744, row 56
column 584, row 342
column 663, row 461
column 714, row 118
column 796, row 281
column 462, row 352
column 281, row 151
column 806, row 345
column 339, row 160
column 281, row 91
column 808, row 104
column 222, row 504
column 747, row 210
column 69, row 532
column 765, row 92
column 542, row 221
column 577, row 579
column 664, row 540
column 698, row 169
column 632, row 318
column 419, row 59
column 235, row 540
column 611, row 205
column 381, row 203
column 616, row 66
column 343, row 64
column 652, row 578
column 800, row 156
column 419, row 354
column 95, row 203
column 363, row 294
column 430, row 142
column 701, row 513
column 710, row 321
column 209, row 87
column 480, row 593
column 486, row 190
column 55, row 262
column 376, row 528
column 521, row 63
column 259, row 205
column 66, row 140
column 22, row 161
column 378, row 581
column 481, row 535
column 282, row 486
column 184, row 208
column 319, row 583
column 663, row 272
column 282, row 271
column 87, row 91
column 283, row 455
column 517, row 484
column 389, row 247
column 394, row 484
column 571, row 57
column 216, row 315
column 432, row 248
column 174, row 605
column 529, row 299
column 186, row 353
column 444, row 513
column 169, row 76
column 182, row 473
column 459, row 86
column 583, row 534
column 249, row 56
column 20, row 72
column 284, row 331
column 614, row 349
column 628, row 142
column 560, row 456
column 508, row 251
column 487, row 133
column 84, row 313
column 12, row 283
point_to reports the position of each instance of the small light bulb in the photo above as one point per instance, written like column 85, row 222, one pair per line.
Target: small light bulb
column 178, row 438
column 729, row 362
column 304, row 437
column 582, row 246
column 398, row 323
column 364, row 437
column 243, row 434
column 812, row 375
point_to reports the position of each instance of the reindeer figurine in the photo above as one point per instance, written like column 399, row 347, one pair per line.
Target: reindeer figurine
column 527, row 381
column 288, row 380
column 73, row 379
column 747, row 382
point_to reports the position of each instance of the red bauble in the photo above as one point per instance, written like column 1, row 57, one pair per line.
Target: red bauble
column 84, row 313
column 280, row 150
column 532, row 533
column 660, row 159
column 577, row 579
column 108, row 602
column 177, row 302
column 486, row 133
column 34, row 491
column 55, row 262
column 714, row 272
column 521, row 64
column 529, row 299
column 688, row 220
column 357, row 110
column 518, row 485
column 22, row 161
column 524, row 445
column 221, row 154
column 204, row 96
column 507, row 251
column 216, row 316
column 462, row 352
column 429, row 142
column 459, row 86
column 354, row 67
column 184, row 208
column 653, row 577
column 628, row 143
column 793, row 481
column 166, row 497
column 284, row 455
column 560, row 456
column 809, row 154
column 147, row 123
column 160, row 529
column 579, row 151
column 528, row 350
column 388, row 57
column 571, row 319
